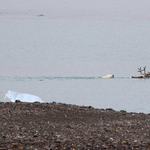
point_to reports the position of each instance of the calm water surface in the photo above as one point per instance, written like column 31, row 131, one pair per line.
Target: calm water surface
column 61, row 59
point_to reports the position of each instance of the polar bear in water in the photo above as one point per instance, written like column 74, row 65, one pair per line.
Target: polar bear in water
column 108, row 76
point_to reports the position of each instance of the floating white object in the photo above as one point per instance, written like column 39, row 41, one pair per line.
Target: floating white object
column 23, row 97
column 108, row 76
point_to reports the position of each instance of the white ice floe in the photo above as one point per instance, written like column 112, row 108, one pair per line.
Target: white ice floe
column 108, row 76
column 23, row 97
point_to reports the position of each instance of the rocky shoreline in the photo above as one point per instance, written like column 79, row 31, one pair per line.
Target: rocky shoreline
column 59, row 126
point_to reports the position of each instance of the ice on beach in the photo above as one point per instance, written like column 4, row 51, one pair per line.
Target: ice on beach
column 23, row 97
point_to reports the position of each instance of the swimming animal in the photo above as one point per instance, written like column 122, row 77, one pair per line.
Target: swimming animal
column 143, row 73
column 108, row 76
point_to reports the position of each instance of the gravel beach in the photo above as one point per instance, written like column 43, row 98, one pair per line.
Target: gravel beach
column 62, row 126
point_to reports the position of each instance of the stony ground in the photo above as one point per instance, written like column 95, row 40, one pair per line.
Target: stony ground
column 59, row 126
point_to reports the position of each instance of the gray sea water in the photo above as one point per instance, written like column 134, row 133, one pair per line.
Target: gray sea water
column 59, row 52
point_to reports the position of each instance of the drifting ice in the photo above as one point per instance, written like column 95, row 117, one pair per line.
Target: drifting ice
column 23, row 97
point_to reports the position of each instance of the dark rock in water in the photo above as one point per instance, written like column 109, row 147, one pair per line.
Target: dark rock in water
column 41, row 15
column 61, row 126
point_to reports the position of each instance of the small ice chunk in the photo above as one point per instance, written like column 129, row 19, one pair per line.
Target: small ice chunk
column 23, row 97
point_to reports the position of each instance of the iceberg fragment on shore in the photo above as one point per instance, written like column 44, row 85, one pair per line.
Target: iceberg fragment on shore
column 23, row 97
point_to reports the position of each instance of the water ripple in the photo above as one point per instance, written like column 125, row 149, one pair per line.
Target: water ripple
column 43, row 78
